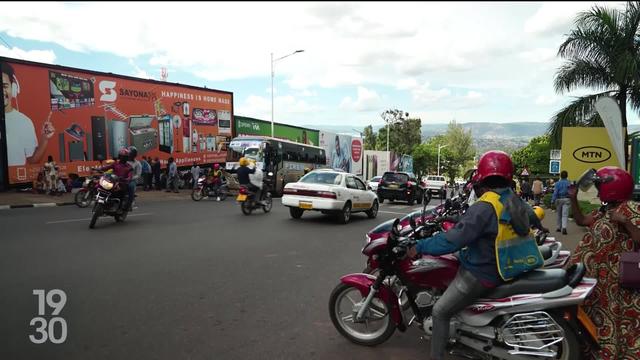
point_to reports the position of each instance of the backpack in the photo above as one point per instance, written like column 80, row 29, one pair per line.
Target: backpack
column 516, row 248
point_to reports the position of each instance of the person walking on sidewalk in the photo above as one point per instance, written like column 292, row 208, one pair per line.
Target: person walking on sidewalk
column 172, row 181
column 50, row 176
column 146, row 173
column 536, row 189
column 155, row 170
column 195, row 174
column 561, row 199
column 614, row 230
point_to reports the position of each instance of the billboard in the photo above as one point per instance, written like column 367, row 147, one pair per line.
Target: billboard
column 376, row 163
column 250, row 126
column 586, row 148
column 81, row 117
column 343, row 151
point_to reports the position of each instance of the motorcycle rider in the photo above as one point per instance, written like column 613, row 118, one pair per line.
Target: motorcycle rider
column 215, row 179
column 475, row 234
column 256, row 180
column 137, row 174
column 123, row 171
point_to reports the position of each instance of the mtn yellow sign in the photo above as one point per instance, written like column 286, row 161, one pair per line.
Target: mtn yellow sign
column 586, row 148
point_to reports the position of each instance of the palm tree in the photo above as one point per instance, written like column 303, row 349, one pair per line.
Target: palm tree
column 602, row 53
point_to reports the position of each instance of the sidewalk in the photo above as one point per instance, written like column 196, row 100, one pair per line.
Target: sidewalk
column 13, row 199
column 574, row 232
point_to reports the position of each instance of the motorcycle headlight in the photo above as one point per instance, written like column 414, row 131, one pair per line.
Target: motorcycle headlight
column 87, row 182
column 106, row 184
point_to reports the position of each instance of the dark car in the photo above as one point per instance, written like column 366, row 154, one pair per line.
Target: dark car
column 397, row 185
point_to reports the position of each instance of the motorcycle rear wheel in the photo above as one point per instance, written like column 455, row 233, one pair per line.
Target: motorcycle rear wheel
column 246, row 207
column 269, row 203
column 223, row 191
column 342, row 317
column 121, row 217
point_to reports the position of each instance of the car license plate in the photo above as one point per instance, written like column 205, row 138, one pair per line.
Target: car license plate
column 305, row 205
column 393, row 186
column 241, row 197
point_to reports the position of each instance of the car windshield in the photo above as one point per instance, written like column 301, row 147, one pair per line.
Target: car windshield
column 322, row 178
column 399, row 178
column 375, row 178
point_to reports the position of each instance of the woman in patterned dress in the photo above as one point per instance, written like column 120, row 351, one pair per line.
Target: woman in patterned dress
column 615, row 229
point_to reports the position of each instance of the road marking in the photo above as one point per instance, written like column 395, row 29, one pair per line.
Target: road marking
column 45, row 205
column 5, row 207
column 75, row 220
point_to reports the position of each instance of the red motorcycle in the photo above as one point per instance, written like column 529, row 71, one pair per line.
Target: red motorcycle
column 535, row 316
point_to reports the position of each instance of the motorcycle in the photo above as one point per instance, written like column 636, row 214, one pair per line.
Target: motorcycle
column 248, row 202
column 203, row 190
column 86, row 195
column 536, row 316
column 109, row 200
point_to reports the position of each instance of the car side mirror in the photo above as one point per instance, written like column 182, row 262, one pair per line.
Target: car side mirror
column 369, row 187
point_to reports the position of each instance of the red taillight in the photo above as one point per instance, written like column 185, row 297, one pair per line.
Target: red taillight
column 327, row 194
column 243, row 191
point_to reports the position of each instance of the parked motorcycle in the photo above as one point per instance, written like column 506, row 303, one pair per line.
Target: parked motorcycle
column 533, row 317
column 87, row 194
column 109, row 200
column 248, row 201
column 203, row 190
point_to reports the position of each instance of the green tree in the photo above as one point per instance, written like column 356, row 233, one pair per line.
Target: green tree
column 369, row 138
column 535, row 156
column 601, row 53
column 405, row 132
column 425, row 156
column 459, row 151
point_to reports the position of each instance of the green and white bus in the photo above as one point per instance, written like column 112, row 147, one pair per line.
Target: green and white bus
column 285, row 159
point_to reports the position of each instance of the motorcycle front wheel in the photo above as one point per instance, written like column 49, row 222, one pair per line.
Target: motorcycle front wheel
column 223, row 191
column 97, row 212
column 197, row 194
column 375, row 328
column 83, row 198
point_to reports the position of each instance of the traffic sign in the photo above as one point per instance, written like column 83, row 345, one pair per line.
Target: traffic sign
column 555, row 154
column 554, row 167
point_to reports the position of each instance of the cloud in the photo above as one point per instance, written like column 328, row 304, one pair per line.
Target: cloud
column 43, row 56
column 539, row 55
column 545, row 100
column 138, row 72
column 368, row 100
column 285, row 108
column 556, row 18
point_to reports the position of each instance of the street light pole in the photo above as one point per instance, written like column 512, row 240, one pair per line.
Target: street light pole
column 440, row 147
column 272, row 76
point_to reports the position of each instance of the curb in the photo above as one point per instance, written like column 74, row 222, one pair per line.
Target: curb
column 38, row 205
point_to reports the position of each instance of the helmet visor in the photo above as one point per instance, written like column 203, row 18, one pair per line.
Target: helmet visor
column 587, row 180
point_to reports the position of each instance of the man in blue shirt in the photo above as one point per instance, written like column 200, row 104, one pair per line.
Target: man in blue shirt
column 561, row 199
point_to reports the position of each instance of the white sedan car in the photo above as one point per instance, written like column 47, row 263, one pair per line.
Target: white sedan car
column 331, row 192
column 374, row 182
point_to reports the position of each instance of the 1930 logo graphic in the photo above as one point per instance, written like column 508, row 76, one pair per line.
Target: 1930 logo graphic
column 47, row 330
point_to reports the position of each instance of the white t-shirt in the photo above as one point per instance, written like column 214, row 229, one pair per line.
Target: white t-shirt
column 21, row 138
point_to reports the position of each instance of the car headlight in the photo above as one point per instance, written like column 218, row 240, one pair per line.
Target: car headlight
column 106, row 184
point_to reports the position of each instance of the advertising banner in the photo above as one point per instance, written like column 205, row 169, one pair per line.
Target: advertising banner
column 343, row 151
column 81, row 118
column 376, row 163
column 586, row 148
column 251, row 126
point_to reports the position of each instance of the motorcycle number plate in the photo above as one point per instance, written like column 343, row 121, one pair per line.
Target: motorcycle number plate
column 393, row 186
column 241, row 197
column 305, row 205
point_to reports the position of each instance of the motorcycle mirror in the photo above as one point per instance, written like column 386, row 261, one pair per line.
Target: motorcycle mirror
column 586, row 180
column 412, row 222
column 395, row 228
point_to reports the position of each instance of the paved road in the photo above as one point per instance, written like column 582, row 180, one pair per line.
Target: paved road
column 185, row 280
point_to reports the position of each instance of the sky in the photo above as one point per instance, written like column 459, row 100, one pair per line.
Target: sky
column 472, row 62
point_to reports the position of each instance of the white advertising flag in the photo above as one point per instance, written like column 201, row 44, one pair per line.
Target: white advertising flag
column 610, row 113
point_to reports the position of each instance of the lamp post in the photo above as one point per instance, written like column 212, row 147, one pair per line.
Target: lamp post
column 439, row 148
column 272, row 76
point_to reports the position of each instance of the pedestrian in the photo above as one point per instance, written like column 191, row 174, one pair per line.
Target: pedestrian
column 137, row 174
column 526, row 189
column 195, row 174
column 146, row 173
column 561, row 200
column 172, row 181
column 50, row 176
column 536, row 189
column 155, row 171
column 614, row 309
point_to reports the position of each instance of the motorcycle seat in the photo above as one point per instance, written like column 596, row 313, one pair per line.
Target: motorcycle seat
column 535, row 282
column 545, row 251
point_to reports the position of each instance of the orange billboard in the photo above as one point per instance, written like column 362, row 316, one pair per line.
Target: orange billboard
column 83, row 117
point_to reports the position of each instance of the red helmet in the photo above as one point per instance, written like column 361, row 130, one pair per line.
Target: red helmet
column 494, row 163
column 216, row 166
column 614, row 184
